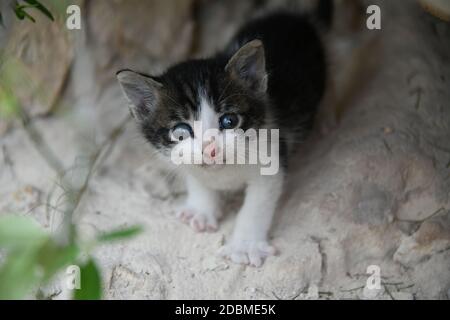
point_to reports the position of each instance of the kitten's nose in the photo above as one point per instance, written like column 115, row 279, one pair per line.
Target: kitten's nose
column 209, row 149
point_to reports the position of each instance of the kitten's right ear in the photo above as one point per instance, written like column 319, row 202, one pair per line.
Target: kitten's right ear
column 248, row 65
column 142, row 92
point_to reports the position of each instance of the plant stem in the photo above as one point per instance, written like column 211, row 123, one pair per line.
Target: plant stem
column 68, row 232
column 41, row 146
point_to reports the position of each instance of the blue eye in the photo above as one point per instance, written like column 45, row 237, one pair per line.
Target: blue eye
column 228, row 121
column 181, row 132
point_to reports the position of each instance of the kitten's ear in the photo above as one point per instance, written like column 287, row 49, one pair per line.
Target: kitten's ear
column 248, row 65
column 142, row 92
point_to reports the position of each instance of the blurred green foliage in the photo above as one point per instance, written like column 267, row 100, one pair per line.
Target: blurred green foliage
column 9, row 107
column 91, row 282
column 13, row 74
column 21, row 9
column 30, row 256
column 33, row 258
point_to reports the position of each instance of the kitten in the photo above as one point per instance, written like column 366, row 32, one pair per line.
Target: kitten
column 271, row 76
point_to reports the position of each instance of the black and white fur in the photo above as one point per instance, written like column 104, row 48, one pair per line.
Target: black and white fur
column 272, row 75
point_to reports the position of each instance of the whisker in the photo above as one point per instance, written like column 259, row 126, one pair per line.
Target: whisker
column 224, row 90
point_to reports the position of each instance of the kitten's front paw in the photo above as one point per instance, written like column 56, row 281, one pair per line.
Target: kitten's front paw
column 247, row 252
column 198, row 221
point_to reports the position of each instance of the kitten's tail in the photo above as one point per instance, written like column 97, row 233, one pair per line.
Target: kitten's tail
column 324, row 12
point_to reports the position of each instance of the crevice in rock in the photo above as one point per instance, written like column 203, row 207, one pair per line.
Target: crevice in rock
column 323, row 259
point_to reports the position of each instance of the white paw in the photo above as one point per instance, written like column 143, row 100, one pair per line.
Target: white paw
column 198, row 221
column 248, row 252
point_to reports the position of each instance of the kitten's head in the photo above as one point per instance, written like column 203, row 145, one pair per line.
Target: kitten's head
column 177, row 109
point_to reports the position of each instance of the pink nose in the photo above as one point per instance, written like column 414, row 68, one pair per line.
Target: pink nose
column 210, row 150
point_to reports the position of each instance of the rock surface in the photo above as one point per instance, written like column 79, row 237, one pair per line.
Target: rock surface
column 39, row 61
column 371, row 191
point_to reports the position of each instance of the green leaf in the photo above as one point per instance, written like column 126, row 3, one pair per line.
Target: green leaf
column 27, row 267
column 19, row 13
column 90, row 282
column 41, row 8
column 27, row 15
column 9, row 106
column 120, row 234
column 53, row 257
column 18, row 231
column 19, row 274
column 22, row 14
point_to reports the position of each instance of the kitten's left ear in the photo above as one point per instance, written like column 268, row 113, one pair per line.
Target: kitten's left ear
column 142, row 92
column 248, row 65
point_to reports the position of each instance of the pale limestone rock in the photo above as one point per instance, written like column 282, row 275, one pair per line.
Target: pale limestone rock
column 142, row 35
column 38, row 57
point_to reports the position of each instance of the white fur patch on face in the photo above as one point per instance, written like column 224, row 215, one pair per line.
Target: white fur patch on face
column 205, row 127
column 212, row 147
column 208, row 116
column 209, row 127
column 205, row 120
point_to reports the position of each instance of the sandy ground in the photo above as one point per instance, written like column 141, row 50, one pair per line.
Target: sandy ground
column 371, row 190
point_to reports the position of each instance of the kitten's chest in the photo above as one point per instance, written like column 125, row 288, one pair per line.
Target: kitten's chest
column 227, row 178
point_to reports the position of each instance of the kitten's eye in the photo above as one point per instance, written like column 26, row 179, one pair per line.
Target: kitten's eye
column 228, row 121
column 181, row 132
